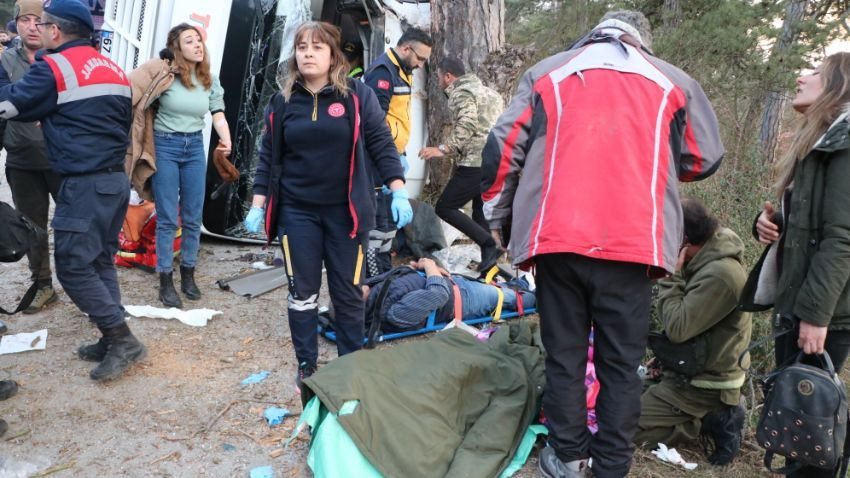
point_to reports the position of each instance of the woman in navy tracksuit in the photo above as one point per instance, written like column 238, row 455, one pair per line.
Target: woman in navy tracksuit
column 313, row 187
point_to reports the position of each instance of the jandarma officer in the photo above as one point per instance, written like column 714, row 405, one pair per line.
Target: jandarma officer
column 83, row 102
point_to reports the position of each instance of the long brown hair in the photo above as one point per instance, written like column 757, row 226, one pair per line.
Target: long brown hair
column 835, row 77
column 184, row 68
column 324, row 33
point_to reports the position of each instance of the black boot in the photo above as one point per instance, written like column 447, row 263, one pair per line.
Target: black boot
column 122, row 349
column 167, row 294
column 93, row 352
column 723, row 428
column 8, row 388
column 187, row 283
column 490, row 254
column 305, row 370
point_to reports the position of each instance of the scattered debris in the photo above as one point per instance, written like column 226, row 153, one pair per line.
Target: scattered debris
column 670, row 455
column 273, row 440
column 228, row 447
column 23, row 342
column 11, row 468
column 209, row 425
column 193, row 317
column 458, row 259
column 262, row 472
column 255, row 257
column 256, row 378
column 55, row 469
column 19, row 434
column 174, row 455
column 276, row 452
column 254, row 283
column 274, row 415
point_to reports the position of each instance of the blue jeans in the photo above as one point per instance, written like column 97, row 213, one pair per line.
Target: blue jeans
column 181, row 170
column 480, row 299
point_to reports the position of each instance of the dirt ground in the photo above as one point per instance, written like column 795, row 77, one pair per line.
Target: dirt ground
column 182, row 412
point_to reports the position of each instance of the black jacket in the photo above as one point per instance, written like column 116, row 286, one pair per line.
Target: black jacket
column 372, row 142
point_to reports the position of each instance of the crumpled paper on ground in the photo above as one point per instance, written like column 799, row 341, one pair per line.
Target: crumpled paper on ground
column 193, row 317
column 670, row 455
column 23, row 342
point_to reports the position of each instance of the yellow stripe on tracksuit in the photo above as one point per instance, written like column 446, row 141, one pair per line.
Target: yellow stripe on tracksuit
column 284, row 244
column 358, row 267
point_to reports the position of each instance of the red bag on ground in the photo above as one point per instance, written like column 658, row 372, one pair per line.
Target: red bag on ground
column 137, row 238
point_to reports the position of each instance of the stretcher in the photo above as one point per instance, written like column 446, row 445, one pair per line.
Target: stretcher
column 431, row 324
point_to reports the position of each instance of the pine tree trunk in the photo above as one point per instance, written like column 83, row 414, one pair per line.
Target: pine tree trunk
column 671, row 14
column 468, row 30
column 774, row 102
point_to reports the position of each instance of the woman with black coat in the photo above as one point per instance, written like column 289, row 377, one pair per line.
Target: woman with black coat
column 313, row 186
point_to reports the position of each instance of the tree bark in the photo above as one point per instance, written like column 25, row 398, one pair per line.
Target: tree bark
column 468, row 30
column 671, row 15
column 775, row 99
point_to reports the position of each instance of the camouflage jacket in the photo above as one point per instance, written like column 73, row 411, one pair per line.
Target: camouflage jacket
column 475, row 108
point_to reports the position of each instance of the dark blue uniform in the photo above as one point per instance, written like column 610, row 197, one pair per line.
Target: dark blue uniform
column 83, row 101
column 314, row 170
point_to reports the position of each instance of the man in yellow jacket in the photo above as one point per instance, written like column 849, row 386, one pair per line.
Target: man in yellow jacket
column 391, row 77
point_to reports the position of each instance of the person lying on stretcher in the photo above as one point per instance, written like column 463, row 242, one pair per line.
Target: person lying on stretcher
column 412, row 297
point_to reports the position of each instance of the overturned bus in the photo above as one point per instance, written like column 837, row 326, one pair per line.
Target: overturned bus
column 248, row 40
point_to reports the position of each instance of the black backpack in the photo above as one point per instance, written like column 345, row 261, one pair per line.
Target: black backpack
column 17, row 234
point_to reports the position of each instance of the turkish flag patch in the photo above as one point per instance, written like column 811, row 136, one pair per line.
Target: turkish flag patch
column 336, row 110
column 383, row 84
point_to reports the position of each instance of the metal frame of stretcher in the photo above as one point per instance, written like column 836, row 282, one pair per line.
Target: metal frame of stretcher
column 431, row 326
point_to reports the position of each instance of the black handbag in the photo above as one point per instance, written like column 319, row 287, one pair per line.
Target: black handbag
column 17, row 234
column 687, row 358
column 804, row 417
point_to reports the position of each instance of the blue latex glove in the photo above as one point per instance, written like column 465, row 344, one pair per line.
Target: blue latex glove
column 401, row 209
column 254, row 219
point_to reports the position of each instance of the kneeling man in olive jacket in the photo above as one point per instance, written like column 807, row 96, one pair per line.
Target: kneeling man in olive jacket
column 699, row 302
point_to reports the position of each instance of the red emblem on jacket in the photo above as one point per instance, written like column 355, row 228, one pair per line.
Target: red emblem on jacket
column 336, row 110
column 383, row 84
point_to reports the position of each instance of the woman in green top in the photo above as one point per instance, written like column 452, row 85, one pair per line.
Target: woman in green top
column 182, row 92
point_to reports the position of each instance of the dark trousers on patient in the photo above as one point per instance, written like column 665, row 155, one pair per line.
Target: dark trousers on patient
column 574, row 293
column 837, row 346
column 464, row 186
column 317, row 235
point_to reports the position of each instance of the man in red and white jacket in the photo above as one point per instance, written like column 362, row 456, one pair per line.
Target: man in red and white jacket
column 585, row 163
